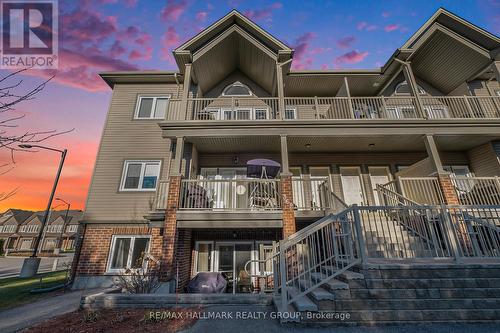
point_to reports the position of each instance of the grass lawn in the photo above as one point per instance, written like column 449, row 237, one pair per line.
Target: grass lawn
column 16, row 291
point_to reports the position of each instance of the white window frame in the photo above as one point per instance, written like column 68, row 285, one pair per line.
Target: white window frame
column 72, row 228
column 293, row 109
column 141, row 177
column 130, row 252
column 237, row 83
column 153, row 106
column 421, row 91
column 254, row 113
column 9, row 228
column 455, row 166
column 212, row 255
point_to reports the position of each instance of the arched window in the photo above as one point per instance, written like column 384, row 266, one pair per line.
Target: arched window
column 403, row 89
column 237, row 89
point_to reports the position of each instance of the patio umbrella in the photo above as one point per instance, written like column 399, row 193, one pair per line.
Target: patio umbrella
column 262, row 168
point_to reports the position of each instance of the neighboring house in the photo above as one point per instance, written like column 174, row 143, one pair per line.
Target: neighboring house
column 28, row 231
column 171, row 175
column 61, row 230
column 9, row 225
column 20, row 228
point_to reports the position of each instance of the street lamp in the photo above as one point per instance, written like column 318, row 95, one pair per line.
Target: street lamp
column 31, row 264
column 57, row 249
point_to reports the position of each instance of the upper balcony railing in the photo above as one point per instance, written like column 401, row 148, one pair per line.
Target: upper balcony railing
column 335, row 108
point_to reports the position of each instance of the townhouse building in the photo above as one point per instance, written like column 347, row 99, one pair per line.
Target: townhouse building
column 236, row 158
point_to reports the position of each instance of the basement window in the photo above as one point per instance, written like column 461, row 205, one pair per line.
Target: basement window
column 237, row 89
column 128, row 252
column 140, row 175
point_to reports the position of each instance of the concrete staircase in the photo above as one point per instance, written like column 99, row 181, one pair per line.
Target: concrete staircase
column 386, row 238
column 395, row 293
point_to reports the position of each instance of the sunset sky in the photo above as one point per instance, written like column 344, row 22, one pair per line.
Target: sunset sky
column 108, row 35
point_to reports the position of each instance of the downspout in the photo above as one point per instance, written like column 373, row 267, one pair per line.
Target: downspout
column 178, row 84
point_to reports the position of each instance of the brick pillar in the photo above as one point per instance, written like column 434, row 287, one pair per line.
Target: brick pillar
column 289, row 227
column 170, row 227
column 448, row 189
column 183, row 257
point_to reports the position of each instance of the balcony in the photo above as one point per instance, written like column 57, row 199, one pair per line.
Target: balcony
column 335, row 108
column 483, row 191
column 248, row 194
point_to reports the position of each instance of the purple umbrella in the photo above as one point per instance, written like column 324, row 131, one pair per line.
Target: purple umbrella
column 262, row 168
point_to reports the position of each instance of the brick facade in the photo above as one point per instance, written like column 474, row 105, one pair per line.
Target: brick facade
column 448, row 190
column 289, row 226
column 170, row 227
column 97, row 243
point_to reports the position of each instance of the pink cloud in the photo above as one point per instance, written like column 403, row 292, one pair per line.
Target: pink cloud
column 170, row 39
column 346, row 42
column 174, row 10
column 264, row 13
column 386, row 14
column 365, row 26
column 301, row 58
column 391, row 27
column 201, row 16
column 319, row 50
column 351, row 57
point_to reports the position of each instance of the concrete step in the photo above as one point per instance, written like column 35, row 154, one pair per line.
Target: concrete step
column 321, row 294
column 302, row 303
column 332, row 284
column 416, row 293
column 350, row 275
column 430, row 283
column 371, row 317
column 430, row 271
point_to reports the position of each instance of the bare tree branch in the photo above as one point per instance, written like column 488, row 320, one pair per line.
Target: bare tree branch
column 10, row 96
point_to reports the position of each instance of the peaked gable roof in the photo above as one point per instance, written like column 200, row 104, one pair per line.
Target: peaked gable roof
column 232, row 18
column 459, row 25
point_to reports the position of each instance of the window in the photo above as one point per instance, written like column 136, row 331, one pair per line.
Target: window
column 204, row 257
column 290, row 113
column 54, row 228
column 30, row 228
column 260, row 114
column 458, row 170
column 72, row 228
column 151, row 107
column 9, row 228
column 140, row 175
column 128, row 252
column 403, row 89
column 237, row 89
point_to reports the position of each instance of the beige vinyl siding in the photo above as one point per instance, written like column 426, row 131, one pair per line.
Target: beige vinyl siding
column 125, row 138
column 484, row 161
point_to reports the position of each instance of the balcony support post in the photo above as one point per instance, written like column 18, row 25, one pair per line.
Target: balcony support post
column 179, row 152
column 285, row 166
column 412, row 84
column 185, row 93
column 433, row 153
column 289, row 227
column 281, row 91
column 349, row 100
column 446, row 185
column 496, row 69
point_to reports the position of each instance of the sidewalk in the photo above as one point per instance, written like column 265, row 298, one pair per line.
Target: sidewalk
column 11, row 266
column 18, row 318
